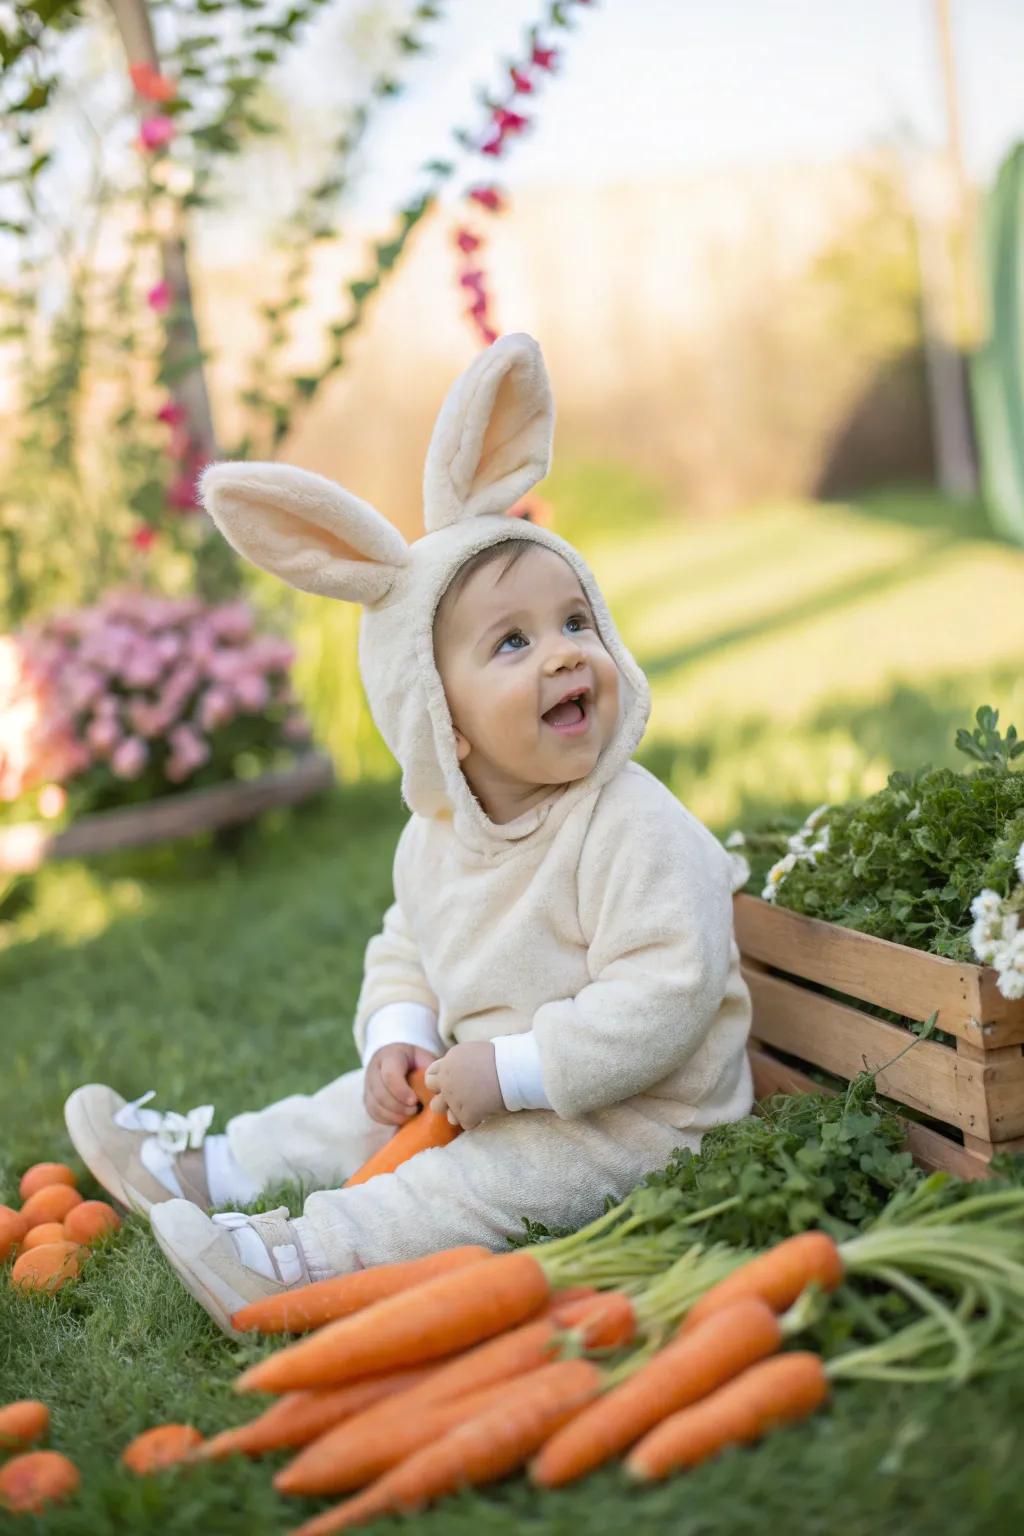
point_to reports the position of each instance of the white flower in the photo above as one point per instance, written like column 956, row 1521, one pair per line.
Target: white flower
column 815, row 817
column 736, row 840
column 1009, row 954
column 1019, row 866
column 796, row 844
column 1011, row 984
column 984, row 942
column 987, row 906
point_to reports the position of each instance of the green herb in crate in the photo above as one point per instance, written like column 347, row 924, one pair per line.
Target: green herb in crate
column 928, row 861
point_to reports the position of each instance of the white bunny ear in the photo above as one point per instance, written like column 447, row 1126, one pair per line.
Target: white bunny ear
column 492, row 439
column 305, row 529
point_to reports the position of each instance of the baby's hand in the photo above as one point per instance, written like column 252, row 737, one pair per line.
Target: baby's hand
column 386, row 1092
column 466, row 1080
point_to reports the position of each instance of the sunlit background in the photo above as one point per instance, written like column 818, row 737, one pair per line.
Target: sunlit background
column 750, row 241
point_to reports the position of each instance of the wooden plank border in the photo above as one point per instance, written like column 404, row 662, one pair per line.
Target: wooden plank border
column 24, row 848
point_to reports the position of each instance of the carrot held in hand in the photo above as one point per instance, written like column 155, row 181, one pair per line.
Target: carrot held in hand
column 481, row 1450
column 776, row 1391
column 423, row 1131
column 686, row 1369
column 439, row 1317
column 300, row 1417
column 778, row 1276
column 358, row 1450
column 324, row 1300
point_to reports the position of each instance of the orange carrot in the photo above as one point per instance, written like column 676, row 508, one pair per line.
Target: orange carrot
column 324, row 1300
column 47, row 1268
column 299, row 1417
column 22, row 1422
column 439, row 1317
column 91, row 1220
column 775, row 1391
column 46, row 1232
column 41, row 1175
column 51, row 1203
column 400, row 1440
column 357, row 1450
column 424, row 1130
column 13, row 1227
column 689, row 1367
column 28, row 1483
column 481, row 1450
column 778, row 1276
column 162, row 1446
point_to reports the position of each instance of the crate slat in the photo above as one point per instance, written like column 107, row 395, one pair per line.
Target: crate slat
column 929, row 1148
column 930, row 1078
column 894, row 976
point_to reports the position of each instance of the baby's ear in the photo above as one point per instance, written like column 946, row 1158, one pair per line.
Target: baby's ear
column 492, row 439
column 305, row 529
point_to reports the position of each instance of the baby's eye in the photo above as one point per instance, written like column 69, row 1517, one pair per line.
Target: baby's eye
column 516, row 634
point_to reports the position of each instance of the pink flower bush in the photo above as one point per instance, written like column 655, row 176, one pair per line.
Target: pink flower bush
column 138, row 694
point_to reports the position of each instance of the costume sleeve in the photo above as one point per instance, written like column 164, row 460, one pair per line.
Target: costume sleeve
column 392, row 968
column 655, row 905
column 401, row 1024
column 517, row 1063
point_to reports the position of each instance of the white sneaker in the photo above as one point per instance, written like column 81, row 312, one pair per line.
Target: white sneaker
column 210, row 1256
column 140, row 1156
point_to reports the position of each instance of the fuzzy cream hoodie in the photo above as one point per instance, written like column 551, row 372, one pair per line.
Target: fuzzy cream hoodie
column 591, row 937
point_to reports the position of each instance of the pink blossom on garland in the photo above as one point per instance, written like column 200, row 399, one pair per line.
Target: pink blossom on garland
column 509, row 122
column 171, row 412
column 467, row 241
column 144, row 537
column 151, row 84
column 181, row 494
column 159, row 297
column 156, row 132
column 487, row 197
column 544, row 58
column 520, row 83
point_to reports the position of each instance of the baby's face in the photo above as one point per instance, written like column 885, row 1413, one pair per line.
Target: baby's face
column 509, row 647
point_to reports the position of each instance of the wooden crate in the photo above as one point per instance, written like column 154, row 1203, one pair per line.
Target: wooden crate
column 974, row 1088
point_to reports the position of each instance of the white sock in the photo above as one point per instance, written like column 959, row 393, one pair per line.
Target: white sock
column 225, row 1176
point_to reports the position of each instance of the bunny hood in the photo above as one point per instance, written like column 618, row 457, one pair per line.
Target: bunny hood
column 491, row 443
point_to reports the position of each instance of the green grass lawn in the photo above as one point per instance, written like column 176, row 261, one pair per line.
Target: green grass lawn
column 795, row 655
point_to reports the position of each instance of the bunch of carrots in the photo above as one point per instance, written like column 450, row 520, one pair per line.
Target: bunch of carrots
column 628, row 1339
column 461, row 1368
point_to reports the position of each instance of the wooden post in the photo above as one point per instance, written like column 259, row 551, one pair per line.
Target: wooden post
column 136, row 29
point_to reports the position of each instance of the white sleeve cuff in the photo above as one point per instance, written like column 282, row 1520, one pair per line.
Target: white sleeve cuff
column 517, row 1059
column 402, row 1024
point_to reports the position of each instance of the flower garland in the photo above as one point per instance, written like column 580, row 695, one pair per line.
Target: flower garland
column 996, row 936
column 505, row 125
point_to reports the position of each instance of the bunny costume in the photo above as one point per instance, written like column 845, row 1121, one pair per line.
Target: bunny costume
column 591, row 937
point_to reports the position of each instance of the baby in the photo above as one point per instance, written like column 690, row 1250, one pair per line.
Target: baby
column 559, row 952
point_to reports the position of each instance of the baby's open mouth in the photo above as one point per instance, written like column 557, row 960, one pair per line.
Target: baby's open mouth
column 571, row 713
